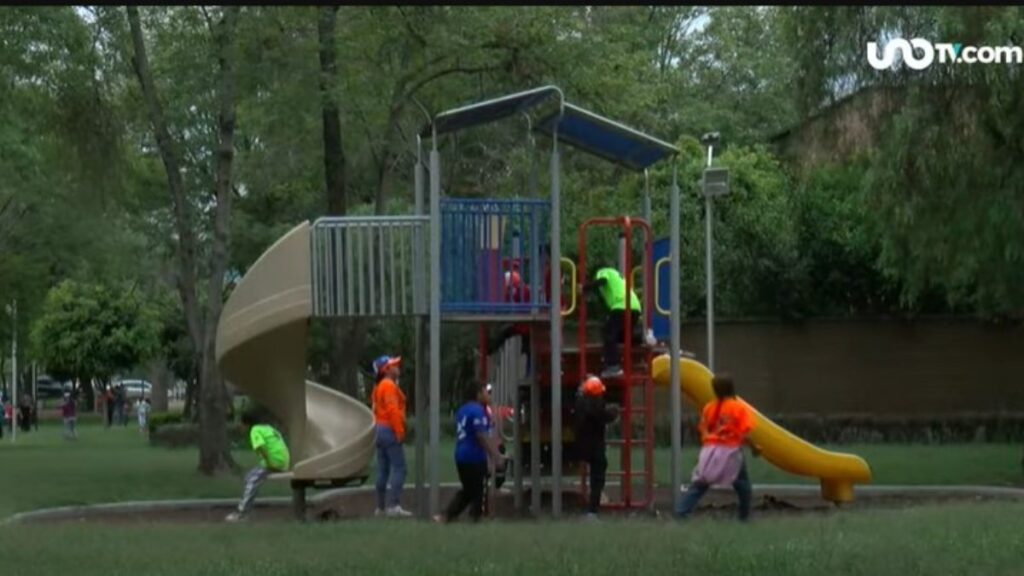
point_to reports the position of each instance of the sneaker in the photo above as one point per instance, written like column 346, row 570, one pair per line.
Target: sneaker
column 378, row 512
column 612, row 372
column 590, row 517
column 235, row 517
column 649, row 339
column 398, row 512
column 438, row 519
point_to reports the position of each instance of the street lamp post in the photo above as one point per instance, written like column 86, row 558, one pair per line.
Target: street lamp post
column 715, row 183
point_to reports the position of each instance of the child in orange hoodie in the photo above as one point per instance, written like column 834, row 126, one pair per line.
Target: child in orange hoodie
column 389, row 414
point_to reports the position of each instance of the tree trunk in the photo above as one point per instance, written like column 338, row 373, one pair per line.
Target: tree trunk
column 86, row 393
column 214, row 448
column 344, row 337
column 344, row 356
column 334, row 152
column 160, row 376
column 171, row 158
column 214, row 452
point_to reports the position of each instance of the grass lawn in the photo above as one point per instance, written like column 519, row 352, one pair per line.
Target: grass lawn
column 953, row 540
column 42, row 470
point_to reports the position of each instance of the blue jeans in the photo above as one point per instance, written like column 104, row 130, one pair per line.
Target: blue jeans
column 697, row 490
column 390, row 466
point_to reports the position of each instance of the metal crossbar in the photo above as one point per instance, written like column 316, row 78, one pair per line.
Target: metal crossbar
column 369, row 266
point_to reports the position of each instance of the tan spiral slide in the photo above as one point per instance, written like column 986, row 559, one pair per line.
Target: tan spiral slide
column 261, row 349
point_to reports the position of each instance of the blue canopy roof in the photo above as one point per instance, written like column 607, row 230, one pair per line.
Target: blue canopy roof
column 606, row 138
column 490, row 110
column 575, row 126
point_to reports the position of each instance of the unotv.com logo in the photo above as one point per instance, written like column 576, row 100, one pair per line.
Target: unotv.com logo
column 918, row 54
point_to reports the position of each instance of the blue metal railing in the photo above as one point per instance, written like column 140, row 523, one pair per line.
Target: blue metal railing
column 486, row 246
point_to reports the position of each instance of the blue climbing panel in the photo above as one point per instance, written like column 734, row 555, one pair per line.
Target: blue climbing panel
column 493, row 255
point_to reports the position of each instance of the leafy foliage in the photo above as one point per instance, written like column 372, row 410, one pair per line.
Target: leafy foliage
column 943, row 181
column 90, row 331
column 929, row 219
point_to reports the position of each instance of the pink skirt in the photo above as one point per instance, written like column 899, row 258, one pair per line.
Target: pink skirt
column 718, row 465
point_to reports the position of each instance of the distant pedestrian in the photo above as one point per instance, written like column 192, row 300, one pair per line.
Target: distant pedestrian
column 25, row 413
column 142, row 411
column 69, row 412
column 121, row 405
column 108, row 404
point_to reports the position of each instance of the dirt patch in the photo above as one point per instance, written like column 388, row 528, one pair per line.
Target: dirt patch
column 360, row 504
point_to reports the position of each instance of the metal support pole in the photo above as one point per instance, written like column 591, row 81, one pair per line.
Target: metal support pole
column 710, row 275
column 535, row 428
column 556, row 332
column 421, row 358
column 674, row 344
column 35, row 399
column 435, row 328
column 647, row 196
column 517, row 431
column 14, row 371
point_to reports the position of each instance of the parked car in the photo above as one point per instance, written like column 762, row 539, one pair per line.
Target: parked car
column 47, row 388
column 135, row 389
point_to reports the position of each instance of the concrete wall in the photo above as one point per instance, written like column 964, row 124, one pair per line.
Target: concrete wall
column 845, row 129
column 866, row 366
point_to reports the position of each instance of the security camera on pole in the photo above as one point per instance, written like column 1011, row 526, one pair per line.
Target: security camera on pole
column 715, row 182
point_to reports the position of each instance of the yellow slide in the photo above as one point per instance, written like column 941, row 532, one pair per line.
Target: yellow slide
column 837, row 472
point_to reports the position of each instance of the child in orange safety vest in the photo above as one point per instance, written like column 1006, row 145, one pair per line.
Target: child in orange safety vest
column 725, row 426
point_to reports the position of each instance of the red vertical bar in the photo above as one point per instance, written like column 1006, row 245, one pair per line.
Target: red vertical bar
column 649, row 419
column 581, row 330
column 628, row 369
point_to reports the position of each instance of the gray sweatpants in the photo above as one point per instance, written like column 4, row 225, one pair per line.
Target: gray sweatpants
column 253, row 480
column 69, row 428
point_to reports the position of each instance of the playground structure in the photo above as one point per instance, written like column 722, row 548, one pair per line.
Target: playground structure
column 345, row 267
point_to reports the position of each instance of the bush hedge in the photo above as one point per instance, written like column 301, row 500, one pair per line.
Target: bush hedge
column 171, row 430
column 186, row 434
column 871, row 429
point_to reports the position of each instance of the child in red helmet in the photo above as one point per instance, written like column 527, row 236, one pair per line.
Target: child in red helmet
column 592, row 418
column 517, row 292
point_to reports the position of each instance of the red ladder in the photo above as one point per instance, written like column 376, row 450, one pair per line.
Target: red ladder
column 634, row 376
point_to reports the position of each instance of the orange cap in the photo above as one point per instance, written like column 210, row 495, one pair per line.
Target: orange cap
column 593, row 386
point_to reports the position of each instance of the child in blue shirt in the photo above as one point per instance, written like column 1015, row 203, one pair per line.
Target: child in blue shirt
column 475, row 454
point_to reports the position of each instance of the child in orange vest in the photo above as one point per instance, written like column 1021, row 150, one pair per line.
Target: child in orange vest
column 725, row 425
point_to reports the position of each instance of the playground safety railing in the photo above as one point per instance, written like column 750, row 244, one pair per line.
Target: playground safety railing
column 369, row 266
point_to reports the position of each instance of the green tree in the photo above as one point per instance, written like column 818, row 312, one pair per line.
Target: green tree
column 89, row 331
column 943, row 181
column 211, row 152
